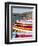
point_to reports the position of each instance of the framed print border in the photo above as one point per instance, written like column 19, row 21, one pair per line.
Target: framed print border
column 7, row 22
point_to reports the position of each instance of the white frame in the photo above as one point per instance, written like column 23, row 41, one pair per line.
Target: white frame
column 34, row 29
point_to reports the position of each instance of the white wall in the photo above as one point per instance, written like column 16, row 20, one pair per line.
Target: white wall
column 2, row 24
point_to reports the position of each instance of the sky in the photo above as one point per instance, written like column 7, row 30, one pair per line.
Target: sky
column 20, row 10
